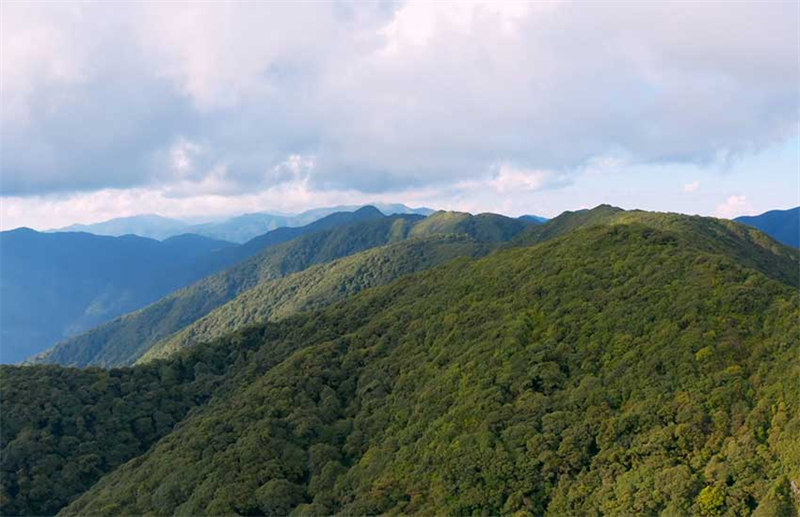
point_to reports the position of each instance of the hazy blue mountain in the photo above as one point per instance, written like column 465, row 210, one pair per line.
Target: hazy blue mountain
column 781, row 225
column 535, row 219
column 238, row 229
column 145, row 225
column 245, row 227
column 57, row 284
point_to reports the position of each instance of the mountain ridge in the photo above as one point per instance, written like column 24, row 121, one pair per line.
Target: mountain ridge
column 624, row 367
column 782, row 225
column 238, row 229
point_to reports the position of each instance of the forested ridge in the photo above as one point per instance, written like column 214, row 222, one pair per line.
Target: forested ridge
column 124, row 340
column 320, row 285
column 638, row 364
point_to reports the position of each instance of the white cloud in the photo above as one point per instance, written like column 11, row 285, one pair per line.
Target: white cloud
column 182, row 156
column 691, row 187
column 426, row 95
column 510, row 179
column 735, row 206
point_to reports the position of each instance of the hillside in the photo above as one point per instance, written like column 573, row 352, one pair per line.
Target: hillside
column 62, row 284
column 318, row 286
column 781, row 225
column 126, row 339
column 55, row 285
column 624, row 368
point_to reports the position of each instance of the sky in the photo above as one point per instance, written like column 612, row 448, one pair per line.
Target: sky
column 209, row 109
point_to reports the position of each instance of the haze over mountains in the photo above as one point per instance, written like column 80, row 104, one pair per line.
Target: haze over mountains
column 56, row 285
column 84, row 280
column 781, row 225
column 238, row 229
column 618, row 360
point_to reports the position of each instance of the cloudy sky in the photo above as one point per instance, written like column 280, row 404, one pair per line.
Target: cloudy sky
column 207, row 109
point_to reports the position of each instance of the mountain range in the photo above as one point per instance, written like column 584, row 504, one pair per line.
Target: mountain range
column 126, row 339
column 781, row 225
column 238, row 229
column 57, row 285
column 604, row 362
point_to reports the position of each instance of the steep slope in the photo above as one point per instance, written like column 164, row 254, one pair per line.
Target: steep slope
column 123, row 340
column 748, row 246
column 57, row 284
column 318, row 286
column 781, row 225
column 126, row 339
column 618, row 369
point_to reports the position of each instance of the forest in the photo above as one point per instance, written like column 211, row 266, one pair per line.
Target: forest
column 612, row 362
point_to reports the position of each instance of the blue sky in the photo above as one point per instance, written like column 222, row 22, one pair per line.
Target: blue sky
column 207, row 109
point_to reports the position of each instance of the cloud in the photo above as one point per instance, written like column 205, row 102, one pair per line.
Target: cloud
column 691, row 187
column 184, row 98
column 510, row 178
column 735, row 206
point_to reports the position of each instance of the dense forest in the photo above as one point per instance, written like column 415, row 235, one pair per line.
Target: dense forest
column 629, row 363
column 124, row 340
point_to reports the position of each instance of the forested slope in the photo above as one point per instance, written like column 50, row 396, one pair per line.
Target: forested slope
column 320, row 285
column 126, row 339
column 625, row 368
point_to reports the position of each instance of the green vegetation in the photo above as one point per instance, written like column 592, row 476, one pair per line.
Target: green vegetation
column 318, row 286
column 631, row 367
column 124, row 340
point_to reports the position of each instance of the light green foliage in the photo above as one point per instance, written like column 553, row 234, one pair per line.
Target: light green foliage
column 123, row 341
column 645, row 365
column 556, row 379
column 318, row 286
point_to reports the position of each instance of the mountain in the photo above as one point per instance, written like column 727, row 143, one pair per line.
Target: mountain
column 62, row 283
column 57, row 284
column 245, row 227
column 124, row 340
column 318, row 286
column 625, row 367
column 239, row 229
column 145, row 225
column 781, row 225
column 535, row 219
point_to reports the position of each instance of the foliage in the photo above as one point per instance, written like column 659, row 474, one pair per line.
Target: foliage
column 123, row 341
column 318, row 286
column 563, row 378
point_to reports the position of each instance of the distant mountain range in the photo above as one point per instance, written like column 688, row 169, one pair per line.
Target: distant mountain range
column 239, row 229
column 782, row 225
column 56, row 285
